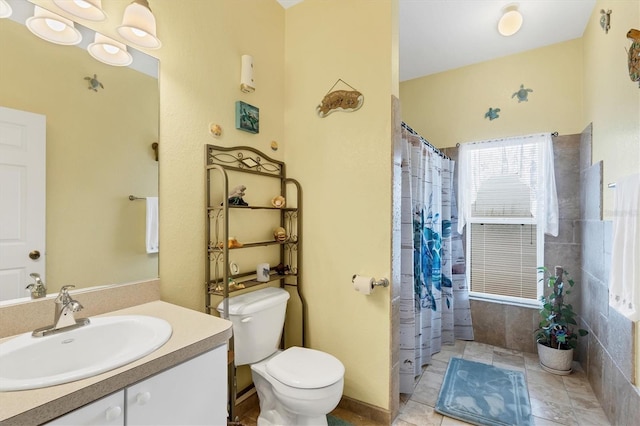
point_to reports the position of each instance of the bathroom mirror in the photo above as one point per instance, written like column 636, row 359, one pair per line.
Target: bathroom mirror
column 98, row 152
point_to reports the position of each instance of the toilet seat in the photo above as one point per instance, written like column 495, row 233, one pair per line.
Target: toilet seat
column 305, row 368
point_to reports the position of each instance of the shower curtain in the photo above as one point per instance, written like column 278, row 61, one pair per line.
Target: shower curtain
column 434, row 300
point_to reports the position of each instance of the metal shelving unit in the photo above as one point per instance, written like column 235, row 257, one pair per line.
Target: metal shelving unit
column 227, row 166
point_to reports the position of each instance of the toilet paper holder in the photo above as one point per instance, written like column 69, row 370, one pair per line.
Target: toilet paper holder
column 382, row 282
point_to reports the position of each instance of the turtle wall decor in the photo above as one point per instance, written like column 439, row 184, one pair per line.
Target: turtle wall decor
column 634, row 55
column 522, row 94
column 492, row 114
column 94, row 84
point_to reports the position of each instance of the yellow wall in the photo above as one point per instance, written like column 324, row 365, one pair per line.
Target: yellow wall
column 574, row 83
column 343, row 162
column 612, row 100
column 203, row 42
column 98, row 152
column 449, row 107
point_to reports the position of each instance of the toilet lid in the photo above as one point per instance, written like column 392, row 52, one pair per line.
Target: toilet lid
column 305, row 368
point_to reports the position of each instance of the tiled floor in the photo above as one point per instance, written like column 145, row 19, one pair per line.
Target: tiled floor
column 555, row 400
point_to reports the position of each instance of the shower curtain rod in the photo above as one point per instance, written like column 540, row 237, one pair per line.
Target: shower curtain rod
column 553, row 134
column 440, row 153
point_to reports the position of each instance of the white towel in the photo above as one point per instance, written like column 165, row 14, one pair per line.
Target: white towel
column 624, row 280
column 152, row 225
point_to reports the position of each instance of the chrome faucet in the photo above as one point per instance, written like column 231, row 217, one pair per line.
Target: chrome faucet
column 38, row 289
column 64, row 318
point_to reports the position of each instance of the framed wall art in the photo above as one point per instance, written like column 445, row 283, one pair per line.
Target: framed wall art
column 247, row 117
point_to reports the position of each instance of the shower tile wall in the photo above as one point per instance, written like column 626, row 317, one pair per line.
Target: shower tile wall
column 607, row 353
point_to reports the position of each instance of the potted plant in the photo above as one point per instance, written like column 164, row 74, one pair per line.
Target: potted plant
column 556, row 336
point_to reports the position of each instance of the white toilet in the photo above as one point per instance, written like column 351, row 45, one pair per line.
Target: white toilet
column 297, row 386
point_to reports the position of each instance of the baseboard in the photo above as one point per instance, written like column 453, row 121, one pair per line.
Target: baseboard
column 363, row 409
column 249, row 401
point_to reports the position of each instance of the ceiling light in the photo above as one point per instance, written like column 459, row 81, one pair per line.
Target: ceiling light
column 109, row 51
column 54, row 28
column 139, row 25
column 5, row 9
column 85, row 9
column 510, row 22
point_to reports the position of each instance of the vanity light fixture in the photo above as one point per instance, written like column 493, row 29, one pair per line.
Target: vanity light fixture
column 109, row 51
column 139, row 25
column 511, row 21
column 90, row 10
column 53, row 28
column 5, row 9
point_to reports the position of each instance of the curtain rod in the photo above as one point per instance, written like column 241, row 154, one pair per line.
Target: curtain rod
column 553, row 134
column 440, row 153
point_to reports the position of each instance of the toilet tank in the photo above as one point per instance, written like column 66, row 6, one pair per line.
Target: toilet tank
column 257, row 318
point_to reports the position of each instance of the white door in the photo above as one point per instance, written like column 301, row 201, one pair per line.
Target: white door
column 22, row 200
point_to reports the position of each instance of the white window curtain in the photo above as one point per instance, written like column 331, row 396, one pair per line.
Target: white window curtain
column 508, row 178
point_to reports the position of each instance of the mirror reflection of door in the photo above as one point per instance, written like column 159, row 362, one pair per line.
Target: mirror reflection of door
column 22, row 200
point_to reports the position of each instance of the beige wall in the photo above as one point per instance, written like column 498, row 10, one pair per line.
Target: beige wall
column 343, row 162
column 574, row 83
column 612, row 100
column 203, row 42
column 449, row 107
column 98, row 152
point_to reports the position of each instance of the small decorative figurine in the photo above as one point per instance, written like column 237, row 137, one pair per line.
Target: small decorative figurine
column 492, row 113
column 94, row 83
column 236, row 194
column 233, row 243
column 280, row 234
column 522, row 94
column 278, row 201
column 282, row 269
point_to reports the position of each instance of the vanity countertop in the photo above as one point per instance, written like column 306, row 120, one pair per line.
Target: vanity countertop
column 193, row 333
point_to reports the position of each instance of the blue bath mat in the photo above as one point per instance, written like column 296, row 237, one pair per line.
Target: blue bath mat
column 335, row 421
column 484, row 395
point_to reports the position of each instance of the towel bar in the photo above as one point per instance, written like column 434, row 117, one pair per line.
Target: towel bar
column 133, row 198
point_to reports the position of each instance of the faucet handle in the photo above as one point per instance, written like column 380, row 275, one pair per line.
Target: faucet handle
column 63, row 296
column 37, row 288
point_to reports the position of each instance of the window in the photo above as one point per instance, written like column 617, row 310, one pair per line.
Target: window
column 507, row 196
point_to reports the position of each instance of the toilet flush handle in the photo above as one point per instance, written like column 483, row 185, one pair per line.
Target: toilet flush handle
column 246, row 319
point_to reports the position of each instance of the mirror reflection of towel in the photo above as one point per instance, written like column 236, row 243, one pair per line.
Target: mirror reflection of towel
column 152, row 225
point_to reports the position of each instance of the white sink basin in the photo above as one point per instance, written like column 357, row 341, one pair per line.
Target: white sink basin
column 28, row 362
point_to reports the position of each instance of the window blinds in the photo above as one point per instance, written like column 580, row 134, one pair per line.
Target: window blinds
column 503, row 260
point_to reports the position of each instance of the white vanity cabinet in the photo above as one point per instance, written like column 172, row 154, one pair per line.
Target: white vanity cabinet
column 108, row 411
column 191, row 393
